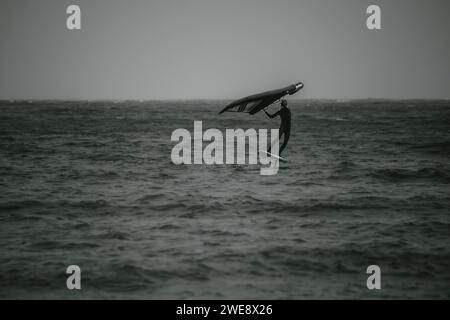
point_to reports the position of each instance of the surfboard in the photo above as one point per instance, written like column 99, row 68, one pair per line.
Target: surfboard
column 275, row 156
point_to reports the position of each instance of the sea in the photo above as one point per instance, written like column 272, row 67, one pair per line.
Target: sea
column 92, row 184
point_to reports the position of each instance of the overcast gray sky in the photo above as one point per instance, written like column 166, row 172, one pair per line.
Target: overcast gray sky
column 175, row 49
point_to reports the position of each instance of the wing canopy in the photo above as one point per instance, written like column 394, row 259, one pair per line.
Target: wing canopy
column 255, row 103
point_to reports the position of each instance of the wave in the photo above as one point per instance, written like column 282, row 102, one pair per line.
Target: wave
column 63, row 204
column 15, row 205
column 434, row 147
column 408, row 174
column 308, row 206
column 63, row 245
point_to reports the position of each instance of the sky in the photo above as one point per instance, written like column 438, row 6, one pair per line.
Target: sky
column 215, row 49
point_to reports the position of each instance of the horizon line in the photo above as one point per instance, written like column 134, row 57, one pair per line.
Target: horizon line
column 201, row 99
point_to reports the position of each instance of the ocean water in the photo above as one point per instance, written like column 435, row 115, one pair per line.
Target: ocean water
column 92, row 184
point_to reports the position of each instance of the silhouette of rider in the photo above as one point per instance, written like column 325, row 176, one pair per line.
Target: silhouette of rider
column 285, row 126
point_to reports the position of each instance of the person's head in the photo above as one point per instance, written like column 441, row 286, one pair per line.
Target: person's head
column 284, row 103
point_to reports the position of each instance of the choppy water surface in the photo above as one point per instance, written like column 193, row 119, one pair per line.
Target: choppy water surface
column 92, row 184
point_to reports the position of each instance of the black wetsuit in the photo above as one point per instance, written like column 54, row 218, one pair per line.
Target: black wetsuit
column 285, row 126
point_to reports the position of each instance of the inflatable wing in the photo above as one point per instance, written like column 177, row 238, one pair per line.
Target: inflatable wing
column 255, row 103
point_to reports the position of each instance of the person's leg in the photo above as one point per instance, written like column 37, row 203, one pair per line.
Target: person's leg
column 285, row 141
column 280, row 133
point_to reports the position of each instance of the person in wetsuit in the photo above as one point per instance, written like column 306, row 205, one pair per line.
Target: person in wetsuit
column 285, row 126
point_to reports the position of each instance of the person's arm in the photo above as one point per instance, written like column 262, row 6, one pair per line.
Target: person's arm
column 272, row 115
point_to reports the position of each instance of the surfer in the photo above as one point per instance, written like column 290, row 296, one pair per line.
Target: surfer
column 285, row 126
